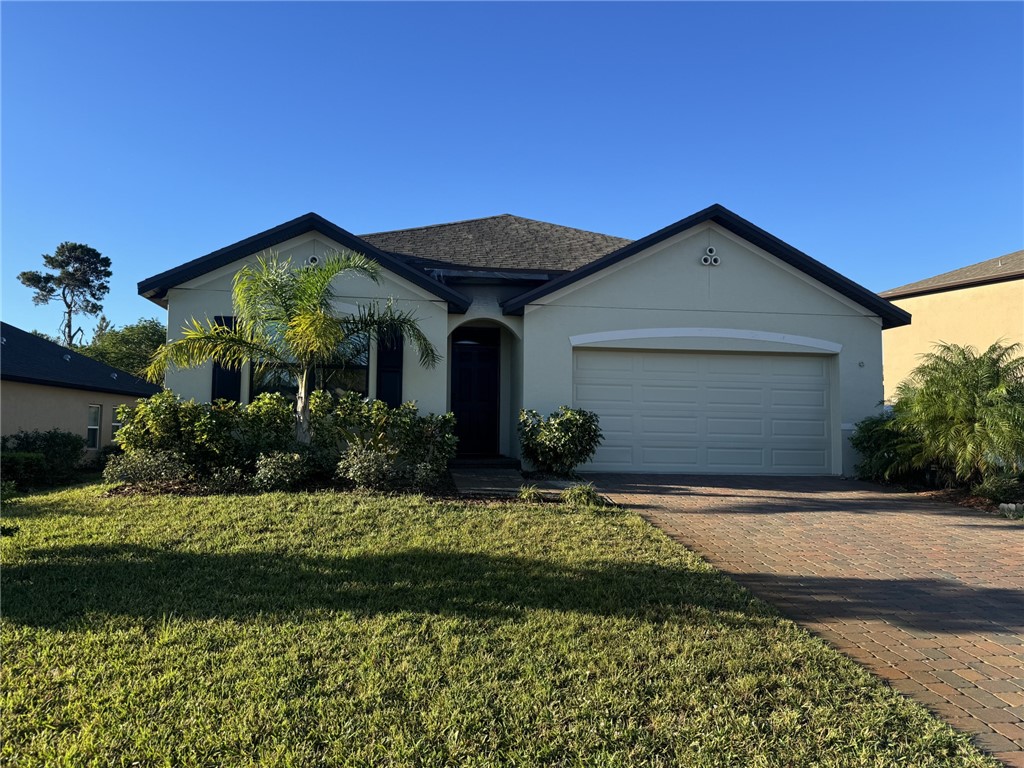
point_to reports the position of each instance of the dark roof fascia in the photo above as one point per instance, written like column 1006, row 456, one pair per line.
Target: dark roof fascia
column 493, row 277
column 155, row 288
column 896, row 293
column 81, row 387
column 892, row 316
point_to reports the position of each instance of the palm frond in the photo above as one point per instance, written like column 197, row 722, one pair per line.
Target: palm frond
column 389, row 324
column 265, row 292
column 201, row 343
column 314, row 285
column 314, row 337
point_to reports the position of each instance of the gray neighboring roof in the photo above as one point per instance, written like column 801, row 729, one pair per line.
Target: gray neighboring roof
column 891, row 315
column 997, row 270
column 500, row 242
column 34, row 360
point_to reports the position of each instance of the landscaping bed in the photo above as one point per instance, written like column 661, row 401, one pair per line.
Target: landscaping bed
column 355, row 629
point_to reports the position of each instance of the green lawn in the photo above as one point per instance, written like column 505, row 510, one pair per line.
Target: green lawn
column 344, row 629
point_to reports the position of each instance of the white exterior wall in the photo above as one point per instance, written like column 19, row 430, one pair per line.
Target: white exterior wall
column 751, row 302
column 210, row 295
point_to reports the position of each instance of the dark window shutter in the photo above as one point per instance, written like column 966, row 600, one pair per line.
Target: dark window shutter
column 227, row 383
column 389, row 372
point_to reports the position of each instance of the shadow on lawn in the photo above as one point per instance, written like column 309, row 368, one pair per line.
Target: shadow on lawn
column 59, row 587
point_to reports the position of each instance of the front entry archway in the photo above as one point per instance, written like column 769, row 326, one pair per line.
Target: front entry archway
column 476, row 389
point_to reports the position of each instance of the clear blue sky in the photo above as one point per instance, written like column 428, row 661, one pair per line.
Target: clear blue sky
column 886, row 140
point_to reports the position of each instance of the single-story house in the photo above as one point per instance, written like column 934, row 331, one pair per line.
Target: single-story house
column 975, row 305
column 708, row 346
column 46, row 386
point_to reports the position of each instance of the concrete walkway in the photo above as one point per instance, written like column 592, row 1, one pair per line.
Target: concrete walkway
column 500, row 482
column 926, row 595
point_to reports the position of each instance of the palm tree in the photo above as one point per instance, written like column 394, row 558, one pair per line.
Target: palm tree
column 284, row 318
column 967, row 409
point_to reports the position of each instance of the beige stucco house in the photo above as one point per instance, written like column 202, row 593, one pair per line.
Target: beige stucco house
column 46, row 386
column 975, row 305
column 708, row 346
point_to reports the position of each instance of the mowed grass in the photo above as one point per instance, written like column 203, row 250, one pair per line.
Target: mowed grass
column 355, row 630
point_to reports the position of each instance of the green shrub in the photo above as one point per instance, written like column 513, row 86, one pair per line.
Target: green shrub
column 165, row 471
column 1000, row 489
column 153, row 423
column 204, row 436
column 886, row 452
column 328, row 438
column 208, row 437
column 967, row 408
column 561, row 442
column 267, row 426
column 393, row 448
column 24, row 469
column 62, row 452
column 225, row 480
column 530, row 494
column 220, row 445
column 581, row 496
column 8, row 493
column 377, row 468
column 280, row 471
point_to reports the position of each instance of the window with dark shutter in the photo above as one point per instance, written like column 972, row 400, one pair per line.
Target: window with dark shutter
column 227, row 383
column 389, row 372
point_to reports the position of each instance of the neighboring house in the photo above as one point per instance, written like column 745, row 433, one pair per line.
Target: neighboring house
column 976, row 305
column 47, row 386
column 707, row 346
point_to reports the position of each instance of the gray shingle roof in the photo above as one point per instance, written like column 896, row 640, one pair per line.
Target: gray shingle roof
column 500, row 242
column 30, row 358
column 993, row 270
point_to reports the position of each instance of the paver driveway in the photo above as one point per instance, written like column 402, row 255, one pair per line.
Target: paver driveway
column 927, row 595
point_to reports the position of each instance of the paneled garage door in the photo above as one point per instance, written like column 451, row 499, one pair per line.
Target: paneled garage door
column 706, row 412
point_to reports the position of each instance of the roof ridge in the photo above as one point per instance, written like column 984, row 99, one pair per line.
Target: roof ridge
column 442, row 224
column 565, row 226
column 496, row 216
column 937, row 281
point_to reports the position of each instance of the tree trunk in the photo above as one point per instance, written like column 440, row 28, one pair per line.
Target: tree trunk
column 69, row 337
column 302, row 433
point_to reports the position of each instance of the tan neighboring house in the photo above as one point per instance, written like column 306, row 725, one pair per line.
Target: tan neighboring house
column 46, row 386
column 708, row 346
column 976, row 305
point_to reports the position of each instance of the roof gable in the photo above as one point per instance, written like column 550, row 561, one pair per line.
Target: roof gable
column 997, row 270
column 155, row 288
column 891, row 315
column 32, row 359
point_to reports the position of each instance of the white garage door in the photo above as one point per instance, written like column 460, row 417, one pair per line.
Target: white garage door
column 706, row 412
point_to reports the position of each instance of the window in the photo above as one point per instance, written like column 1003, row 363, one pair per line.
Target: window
column 115, row 423
column 92, row 429
column 354, row 376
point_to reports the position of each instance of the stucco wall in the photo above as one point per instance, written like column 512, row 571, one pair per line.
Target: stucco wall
column 34, row 406
column 978, row 315
column 750, row 291
column 210, row 295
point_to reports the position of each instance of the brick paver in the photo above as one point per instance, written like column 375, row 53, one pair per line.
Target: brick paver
column 927, row 595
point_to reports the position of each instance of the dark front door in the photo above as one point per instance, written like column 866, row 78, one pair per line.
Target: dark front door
column 476, row 363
